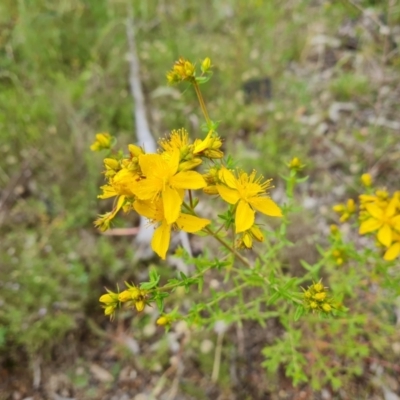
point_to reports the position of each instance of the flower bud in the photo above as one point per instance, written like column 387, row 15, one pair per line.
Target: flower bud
column 134, row 150
column 318, row 287
column 247, row 240
column 111, row 163
column 326, row 307
column 320, row 296
column 366, row 180
column 163, row 320
column 107, row 298
column 140, row 305
column 135, row 293
column 124, row 296
column 205, row 65
column 210, row 190
column 109, row 310
column 257, row 234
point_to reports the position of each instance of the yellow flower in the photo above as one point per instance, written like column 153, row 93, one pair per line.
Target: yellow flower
column 163, row 179
column 366, row 180
column 382, row 220
column 162, row 235
column 103, row 141
column 177, row 140
column 246, row 192
column 182, row 70
column 296, row 164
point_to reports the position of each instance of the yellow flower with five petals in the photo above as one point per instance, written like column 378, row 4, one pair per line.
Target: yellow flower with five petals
column 162, row 179
column 384, row 220
column 246, row 192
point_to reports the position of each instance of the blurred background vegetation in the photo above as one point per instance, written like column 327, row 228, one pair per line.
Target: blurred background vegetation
column 334, row 100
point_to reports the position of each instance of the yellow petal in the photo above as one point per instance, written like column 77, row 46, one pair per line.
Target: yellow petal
column 147, row 188
column 266, row 206
column 120, row 203
column 392, row 207
column 374, row 210
column 190, row 223
column 244, row 217
column 392, row 252
column 108, row 191
column 385, row 235
column 227, row 177
column 145, row 208
column 161, row 239
column 188, row 180
column 231, row 196
column 125, row 181
column 396, row 222
column 172, row 204
column 149, row 162
column 172, row 160
column 370, row 225
column 201, row 145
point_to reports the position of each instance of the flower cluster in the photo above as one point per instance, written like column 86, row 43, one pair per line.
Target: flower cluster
column 379, row 213
column 316, row 299
column 103, row 141
column 345, row 210
column 154, row 185
column 132, row 296
column 160, row 187
column 184, row 70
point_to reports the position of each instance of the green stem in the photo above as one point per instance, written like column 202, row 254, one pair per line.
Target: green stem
column 174, row 285
column 190, row 199
column 229, row 247
column 201, row 101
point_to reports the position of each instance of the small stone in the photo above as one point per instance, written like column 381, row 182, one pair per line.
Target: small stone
column 206, row 346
